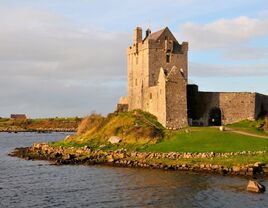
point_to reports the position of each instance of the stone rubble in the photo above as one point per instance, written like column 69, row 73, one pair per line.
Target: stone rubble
column 121, row 157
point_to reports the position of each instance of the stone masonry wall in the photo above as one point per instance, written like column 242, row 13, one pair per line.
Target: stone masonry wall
column 147, row 88
column 261, row 108
column 176, row 102
column 234, row 106
column 237, row 106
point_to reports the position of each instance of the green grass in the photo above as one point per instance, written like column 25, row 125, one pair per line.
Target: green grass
column 196, row 139
column 208, row 140
column 254, row 127
column 140, row 131
column 226, row 161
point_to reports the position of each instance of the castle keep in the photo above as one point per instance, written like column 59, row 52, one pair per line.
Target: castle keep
column 158, row 83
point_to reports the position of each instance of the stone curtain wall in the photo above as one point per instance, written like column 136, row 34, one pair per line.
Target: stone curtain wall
column 261, row 105
column 237, row 106
column 234, row 106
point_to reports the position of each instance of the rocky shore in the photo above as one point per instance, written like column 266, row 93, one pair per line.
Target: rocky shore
column 167, row 161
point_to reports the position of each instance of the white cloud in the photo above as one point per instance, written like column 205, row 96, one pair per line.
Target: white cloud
column 224, row 33
column 231, row 39
column 49, row 66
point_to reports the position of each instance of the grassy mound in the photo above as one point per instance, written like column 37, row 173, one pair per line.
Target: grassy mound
column 135, row 128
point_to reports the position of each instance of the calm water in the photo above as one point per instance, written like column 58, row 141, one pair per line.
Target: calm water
column 38, row 184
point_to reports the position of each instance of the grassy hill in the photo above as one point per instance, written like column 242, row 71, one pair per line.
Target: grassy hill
column 135, row 128
column 140, row 131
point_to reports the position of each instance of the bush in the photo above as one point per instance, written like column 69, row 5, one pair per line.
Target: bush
column 94, row 120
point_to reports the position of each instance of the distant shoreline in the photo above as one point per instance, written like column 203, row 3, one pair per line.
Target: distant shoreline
column 40, row 125
column 38, row 131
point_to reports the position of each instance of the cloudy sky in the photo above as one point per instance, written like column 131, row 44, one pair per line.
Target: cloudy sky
column 68, row 58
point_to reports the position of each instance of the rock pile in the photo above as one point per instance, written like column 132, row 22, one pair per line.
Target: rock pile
column 121, row 157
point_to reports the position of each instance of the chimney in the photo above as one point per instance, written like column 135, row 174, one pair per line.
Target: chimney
column 137, row 35
column 148, row 32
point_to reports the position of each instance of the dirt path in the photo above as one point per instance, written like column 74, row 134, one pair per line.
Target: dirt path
column 246, row 133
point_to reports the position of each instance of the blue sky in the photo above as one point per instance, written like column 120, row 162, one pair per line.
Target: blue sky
column 68, row 58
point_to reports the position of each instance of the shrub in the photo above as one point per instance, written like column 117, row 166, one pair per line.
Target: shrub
column 89, row 122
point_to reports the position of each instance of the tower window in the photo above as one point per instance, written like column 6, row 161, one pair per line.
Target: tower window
column 137, row 59
column 168, row 58
column 151, row 96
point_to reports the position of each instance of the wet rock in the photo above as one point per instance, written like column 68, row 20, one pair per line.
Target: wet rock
column 254, row 186
column 236, row 169
column 265, row 168
column 258, row 164
column 110, row 158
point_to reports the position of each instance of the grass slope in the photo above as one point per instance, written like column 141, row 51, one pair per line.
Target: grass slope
column 135, row 128
column 140, row 131
column 255, row 127
column 207, row 139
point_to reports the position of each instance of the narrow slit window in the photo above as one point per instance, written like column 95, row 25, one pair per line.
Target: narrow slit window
column 168, row 58
column 151, row 96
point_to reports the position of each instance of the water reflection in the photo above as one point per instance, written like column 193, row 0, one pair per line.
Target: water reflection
column 38, row 184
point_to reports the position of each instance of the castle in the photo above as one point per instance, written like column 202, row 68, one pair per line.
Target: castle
column 158, row 83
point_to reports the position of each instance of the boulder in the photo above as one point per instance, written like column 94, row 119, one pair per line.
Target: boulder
column 114, row 140
column 109, row 158
column 102, row 146
column 236, row 169
column 222, row 128
column 254, row 186
column 67, row 137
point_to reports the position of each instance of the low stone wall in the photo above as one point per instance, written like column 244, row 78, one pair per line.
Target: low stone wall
column 85, row 155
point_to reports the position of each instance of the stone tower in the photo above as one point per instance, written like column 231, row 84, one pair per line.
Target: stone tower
column 157, row 76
